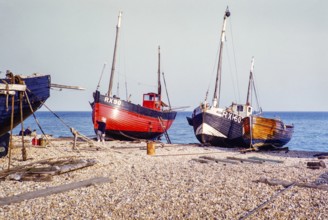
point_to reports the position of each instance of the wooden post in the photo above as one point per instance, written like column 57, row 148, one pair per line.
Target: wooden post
column 24, row 155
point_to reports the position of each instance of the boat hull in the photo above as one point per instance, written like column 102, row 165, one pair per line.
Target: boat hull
column 266, row 132
column 4, row 144
column 217, row 128
column 38, row 91
column 128, row 121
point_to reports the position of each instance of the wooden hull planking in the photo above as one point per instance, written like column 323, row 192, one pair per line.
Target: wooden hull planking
column 266, row 132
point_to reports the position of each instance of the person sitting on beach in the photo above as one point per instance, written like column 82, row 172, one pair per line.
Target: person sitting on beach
column 101, row 130
column 27, row 131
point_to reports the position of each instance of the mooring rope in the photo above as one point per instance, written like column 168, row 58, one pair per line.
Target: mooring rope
column 36, row 120
column 67, row 125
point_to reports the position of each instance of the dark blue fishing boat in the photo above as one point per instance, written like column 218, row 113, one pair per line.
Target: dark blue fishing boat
column 20, row 96
column 215, row 125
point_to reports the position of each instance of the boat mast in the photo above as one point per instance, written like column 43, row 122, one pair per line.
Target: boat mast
column 109, row 93
column 216, row 96
column 250, row 82
column 159, row 72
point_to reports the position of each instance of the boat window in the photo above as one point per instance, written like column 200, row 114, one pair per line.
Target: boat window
column 147, row 97
column 249, row 109
column 240, row 108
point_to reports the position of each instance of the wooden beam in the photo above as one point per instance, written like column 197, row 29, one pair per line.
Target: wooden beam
column 13, row 87
column 219, row 160
column 245, row 160
column 201, row 160
column 52, row 190
column 265, row 160
column 58, row 86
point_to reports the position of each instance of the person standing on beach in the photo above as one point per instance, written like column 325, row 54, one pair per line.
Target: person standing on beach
column 101, row 130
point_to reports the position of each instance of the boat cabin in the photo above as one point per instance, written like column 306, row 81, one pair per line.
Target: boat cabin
column 152, row 101
column 241, row 110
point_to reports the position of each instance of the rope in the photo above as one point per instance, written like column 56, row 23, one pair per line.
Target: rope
column 256, row 96
column 73, row 131
column 213, row 73
column 167, row 94
column 36, row 120
column 234, row 56
column 232, row 78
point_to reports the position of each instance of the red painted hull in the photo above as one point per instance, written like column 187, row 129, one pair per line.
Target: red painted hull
column 127, row 121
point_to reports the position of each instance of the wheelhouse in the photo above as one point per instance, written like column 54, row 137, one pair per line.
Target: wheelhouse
column 152, row 101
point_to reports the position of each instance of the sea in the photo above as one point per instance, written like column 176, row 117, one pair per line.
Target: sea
column 310, row 131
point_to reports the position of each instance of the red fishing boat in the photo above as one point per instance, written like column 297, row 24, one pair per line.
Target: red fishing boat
column 126, row 120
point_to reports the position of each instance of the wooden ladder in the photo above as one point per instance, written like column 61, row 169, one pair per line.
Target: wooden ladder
column 165, row 131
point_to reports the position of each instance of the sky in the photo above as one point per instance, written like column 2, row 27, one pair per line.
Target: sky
column 72, row 39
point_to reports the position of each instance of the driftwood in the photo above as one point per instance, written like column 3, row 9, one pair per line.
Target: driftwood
column 77, row 135
column 201, row 160
column 245, row 160
column 265, row 160
column 322, row 157
column 45, row 169
column 316, row 164
column 219, row 160
column 265, row 203
column 52, row 190
column 274, row 182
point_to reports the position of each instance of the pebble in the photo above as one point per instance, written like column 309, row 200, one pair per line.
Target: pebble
column 167, row 185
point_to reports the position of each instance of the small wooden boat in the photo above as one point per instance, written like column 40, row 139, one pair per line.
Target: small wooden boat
column 259, row 131
column 126, row 120
column 20, row 96
column 266, row 132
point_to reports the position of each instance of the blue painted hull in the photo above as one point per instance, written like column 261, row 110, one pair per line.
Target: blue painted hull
column 38, row 91
column 231, row 131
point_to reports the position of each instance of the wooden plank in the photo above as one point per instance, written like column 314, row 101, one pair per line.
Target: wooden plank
column 219, row 160
column 52, row 190
column 265, row 160
column 316, row 163
column 4, row 92
column 201, row 160
column 58, row 86
column 13, row 87
column 245, row 160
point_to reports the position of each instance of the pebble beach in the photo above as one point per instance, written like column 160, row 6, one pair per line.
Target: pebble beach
column 173, row 183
